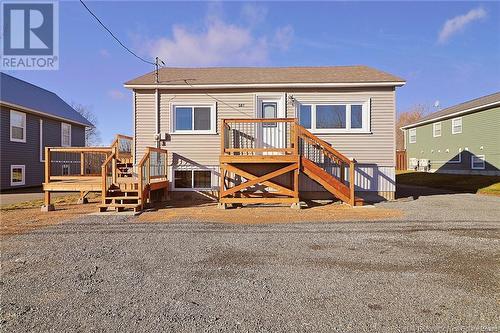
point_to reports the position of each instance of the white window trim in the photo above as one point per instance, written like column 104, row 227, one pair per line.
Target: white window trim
column 62, row 131
column 23, row 140
column 192, row 188
column 434, row 126
column 410, row 135
column 366, row 120
column 23, row 181
column 453, row 125
column 213, row 118
column 41, row 141
column 472, row 162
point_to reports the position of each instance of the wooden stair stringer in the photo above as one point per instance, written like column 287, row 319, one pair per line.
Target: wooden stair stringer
column 330, row 183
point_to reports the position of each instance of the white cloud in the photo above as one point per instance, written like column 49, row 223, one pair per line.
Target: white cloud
column 283, row 37
column 458, row 23
column 217, row 43
column 116, row 94
column 253, row 14
column 104, row 53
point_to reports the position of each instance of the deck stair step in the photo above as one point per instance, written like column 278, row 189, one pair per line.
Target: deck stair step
column 119, row 207
column 123, row 198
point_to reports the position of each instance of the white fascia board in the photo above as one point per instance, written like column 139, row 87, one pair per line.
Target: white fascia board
column 48, row 115
column 451, row 115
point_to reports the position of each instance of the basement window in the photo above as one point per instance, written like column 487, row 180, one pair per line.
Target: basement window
column 194, row 119
column 477, row 162
column 193, row 179
column 17, row 175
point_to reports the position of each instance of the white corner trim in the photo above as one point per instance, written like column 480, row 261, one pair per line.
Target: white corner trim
column 41, row 141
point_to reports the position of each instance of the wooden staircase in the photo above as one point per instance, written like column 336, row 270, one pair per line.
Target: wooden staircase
column 291, row 151
column 127, row 188
column 314, row 153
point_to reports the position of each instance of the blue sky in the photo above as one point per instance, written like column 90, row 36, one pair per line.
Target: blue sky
column 447, row 51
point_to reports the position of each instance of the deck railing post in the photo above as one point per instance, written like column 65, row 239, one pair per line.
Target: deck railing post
column 47, row 164
column 82, row 163
column 222, row 136
column 352, row 180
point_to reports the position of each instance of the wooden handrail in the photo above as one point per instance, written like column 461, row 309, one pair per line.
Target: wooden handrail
column 301, row 131
column 80, row 149
column 158, row 150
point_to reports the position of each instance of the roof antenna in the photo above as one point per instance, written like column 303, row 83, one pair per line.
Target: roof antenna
column 158, row 62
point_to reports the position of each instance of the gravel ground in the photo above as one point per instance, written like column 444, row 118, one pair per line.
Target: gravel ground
column 435, row 270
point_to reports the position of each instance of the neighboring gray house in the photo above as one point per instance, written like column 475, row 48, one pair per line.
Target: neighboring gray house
column 350, row 107
column 32, row 118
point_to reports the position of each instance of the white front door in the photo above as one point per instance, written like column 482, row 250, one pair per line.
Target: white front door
column 272, row 134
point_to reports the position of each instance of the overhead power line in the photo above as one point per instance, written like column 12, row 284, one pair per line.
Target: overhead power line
column 116, row 38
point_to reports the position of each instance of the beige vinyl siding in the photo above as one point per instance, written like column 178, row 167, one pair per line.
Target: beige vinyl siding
column 377, row 147
column 202, row 148
column 375, row 151
column 145, row 121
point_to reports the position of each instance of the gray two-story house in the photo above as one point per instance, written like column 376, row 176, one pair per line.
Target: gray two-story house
column 32, row 118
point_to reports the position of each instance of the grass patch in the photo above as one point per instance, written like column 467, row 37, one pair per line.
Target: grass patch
column 59, row 200
column 457, row 183
column 493, row 189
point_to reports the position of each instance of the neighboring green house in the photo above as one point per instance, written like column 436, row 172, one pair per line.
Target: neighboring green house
column 463, row 139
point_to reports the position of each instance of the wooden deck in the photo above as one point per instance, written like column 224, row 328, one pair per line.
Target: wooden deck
column 108, row 170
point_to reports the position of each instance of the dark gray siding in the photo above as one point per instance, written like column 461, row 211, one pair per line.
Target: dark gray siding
column 28, row 154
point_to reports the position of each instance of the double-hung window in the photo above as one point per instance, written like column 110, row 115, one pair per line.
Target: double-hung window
column 353, row 117
column 412, row 135
column 477, row 162
column 456, row 125
column 65, row 135
column 194, row 119
column 193, row 179
column 436, row 129
column 17, row 126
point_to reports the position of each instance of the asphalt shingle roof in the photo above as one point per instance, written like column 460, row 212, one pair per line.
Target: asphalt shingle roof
column 266, row 75
column 30, row 96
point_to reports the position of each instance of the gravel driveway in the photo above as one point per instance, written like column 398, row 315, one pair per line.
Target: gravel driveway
column 435, row 270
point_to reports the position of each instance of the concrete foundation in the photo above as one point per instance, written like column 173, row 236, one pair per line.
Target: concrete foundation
column 47, row 208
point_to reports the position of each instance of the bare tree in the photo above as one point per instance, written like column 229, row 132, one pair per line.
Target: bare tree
column 92, row 134
column 412, row 115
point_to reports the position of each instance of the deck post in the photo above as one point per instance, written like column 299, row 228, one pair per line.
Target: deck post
column 82, row 163
column 47, row 206
column 351, row 182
